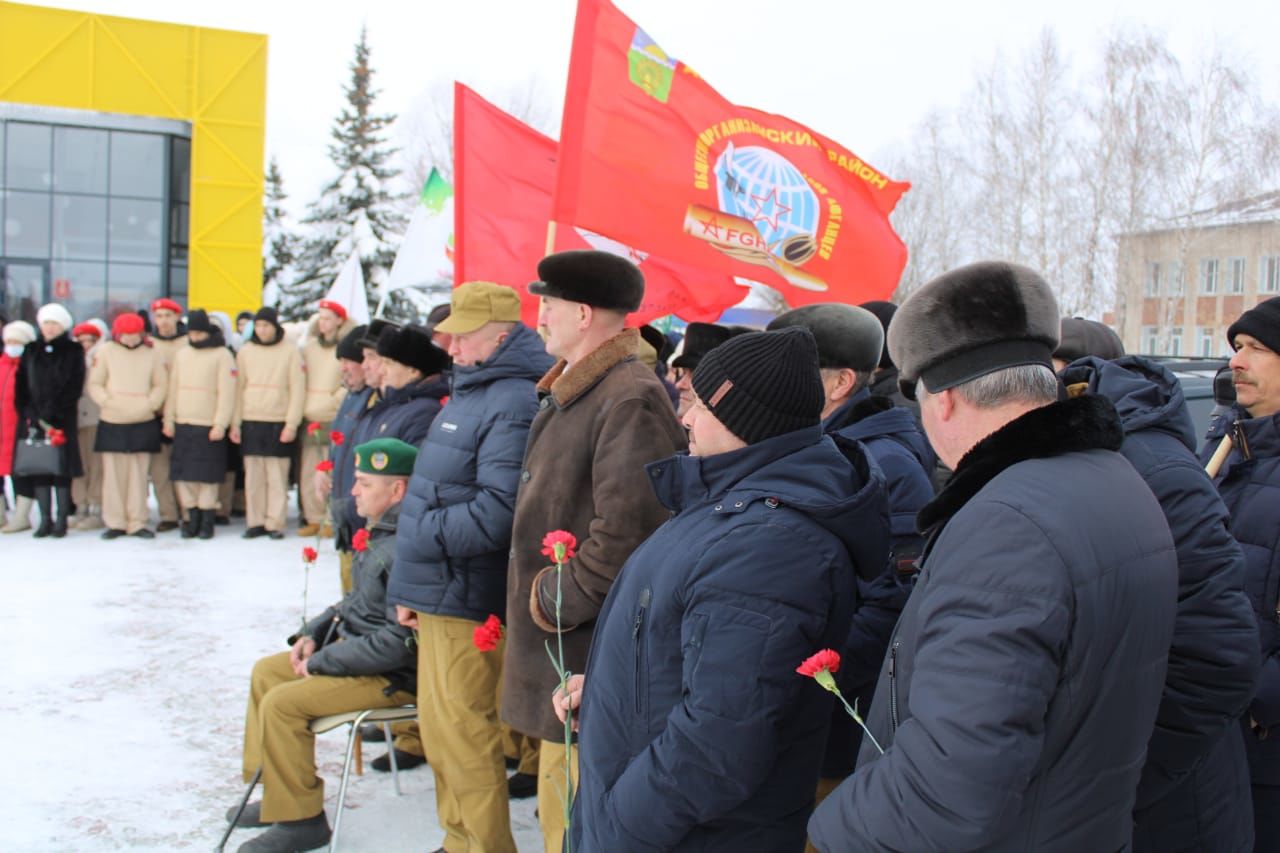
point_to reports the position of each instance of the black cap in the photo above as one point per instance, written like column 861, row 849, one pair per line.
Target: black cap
column 412, row 346
column 763, row 384
column 700, row 339
column 438, row 315
column 198, row 321
column 884, row 312
column 598, row 279
column 349, row 347
column 266, row 312
column 660, row 343
column 1081, row 338
column 1261, row 322
column 376, row 327
column 847, row 337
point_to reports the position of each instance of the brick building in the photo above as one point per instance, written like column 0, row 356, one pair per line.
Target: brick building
column 1180, row 288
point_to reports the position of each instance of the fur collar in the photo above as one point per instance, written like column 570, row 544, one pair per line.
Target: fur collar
column 1089, row 422
column 564, row 387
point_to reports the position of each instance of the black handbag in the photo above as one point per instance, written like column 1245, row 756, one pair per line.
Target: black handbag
column 36, row 457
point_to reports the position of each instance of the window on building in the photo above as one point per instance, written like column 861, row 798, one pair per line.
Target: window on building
column 1175, row 341
column 1204, row 341
column 1235, row 275
column 1174, row 278
column 1269, row 274
column 1150, row 339
column 1151, row 287
column 1209, row 276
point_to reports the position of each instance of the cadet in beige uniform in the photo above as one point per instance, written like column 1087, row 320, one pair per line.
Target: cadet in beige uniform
column 197, row 412
column 325, row 393
column 86, row 491
column 169, row 338
column 269, row 394
column 128, row 381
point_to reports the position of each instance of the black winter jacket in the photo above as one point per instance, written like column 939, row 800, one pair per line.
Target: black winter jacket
column 1022, row 682
column 1193, row 791
column 360, row 635
column 696, row 731
column 1249, row 483
column 50, row 382
column 350, row 410
column 455, row 525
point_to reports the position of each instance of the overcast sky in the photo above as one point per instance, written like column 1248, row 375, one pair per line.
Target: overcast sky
column 863, row 74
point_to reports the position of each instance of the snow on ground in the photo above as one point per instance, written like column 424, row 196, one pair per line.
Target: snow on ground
column 125, row 671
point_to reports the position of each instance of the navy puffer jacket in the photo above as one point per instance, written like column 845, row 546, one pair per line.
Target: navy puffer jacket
column 353, row 406
column 1194, row 788
column 455, row 527
column 1249, row 483
column 1023, row 678
column 904, row 456
column 696, row 731
column 404, row 413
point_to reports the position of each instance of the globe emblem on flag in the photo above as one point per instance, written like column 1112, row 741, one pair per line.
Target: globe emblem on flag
column 763, row 187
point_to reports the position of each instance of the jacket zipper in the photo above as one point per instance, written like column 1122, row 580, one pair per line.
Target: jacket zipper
column 645, row 595
column 1241, row 442
column 893, row 687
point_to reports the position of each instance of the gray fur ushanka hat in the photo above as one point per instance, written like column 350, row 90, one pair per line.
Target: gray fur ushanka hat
column 972, row 321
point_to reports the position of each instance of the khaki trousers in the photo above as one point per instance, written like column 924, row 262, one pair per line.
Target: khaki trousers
column 226, row 494
column 313, row 508
column 124, row 490
column 345, row 558
column 166, row 497
column 551, row 790
column 266, row 491
column 192, row 495
column 519, row 746
column 86, row 491
column 462, row 736
column 276, row 736
column 826, row 785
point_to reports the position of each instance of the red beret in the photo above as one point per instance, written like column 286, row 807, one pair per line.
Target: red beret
column 163, row 304
column 127, row 324
column 335, row 308
column 87, row 329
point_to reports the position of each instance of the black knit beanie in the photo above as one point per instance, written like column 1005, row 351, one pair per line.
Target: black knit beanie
column 884, row 312
column 349, row 347
column 1262, row 322
column 762, row 384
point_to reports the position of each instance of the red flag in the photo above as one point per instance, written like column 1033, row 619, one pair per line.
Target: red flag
column 504, row 177
column 653, row 156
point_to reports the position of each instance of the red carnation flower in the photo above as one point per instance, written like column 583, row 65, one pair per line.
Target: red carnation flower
column 309, row 554
column 559, row 545
column 57, row 437
column 337, row 437
column 824, row 661
column 313, row 428
column 360, row 541
column 324, row 465
column 487, row 635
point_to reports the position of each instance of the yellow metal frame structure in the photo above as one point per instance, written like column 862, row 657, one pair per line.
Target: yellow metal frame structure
column 214, row 79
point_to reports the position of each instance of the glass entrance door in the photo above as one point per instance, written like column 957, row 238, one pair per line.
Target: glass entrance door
column 24, row 287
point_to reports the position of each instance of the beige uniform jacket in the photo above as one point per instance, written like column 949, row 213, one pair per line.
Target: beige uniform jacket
column 324, row 378
column 202, row 388
column 271, row 386
column 129, row 385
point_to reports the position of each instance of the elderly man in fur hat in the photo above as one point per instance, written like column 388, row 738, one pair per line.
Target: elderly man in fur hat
column 1022, row 681
column 602, row 416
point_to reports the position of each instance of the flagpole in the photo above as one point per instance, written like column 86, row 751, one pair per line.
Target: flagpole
column 551, row 237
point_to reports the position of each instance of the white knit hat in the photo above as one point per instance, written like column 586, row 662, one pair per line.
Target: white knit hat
column 55, row 312
column 19, row 331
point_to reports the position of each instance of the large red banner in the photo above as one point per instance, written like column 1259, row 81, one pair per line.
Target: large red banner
column 651, row 155
column 504, row 177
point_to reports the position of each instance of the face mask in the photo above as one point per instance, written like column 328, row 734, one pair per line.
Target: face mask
column 13, row 350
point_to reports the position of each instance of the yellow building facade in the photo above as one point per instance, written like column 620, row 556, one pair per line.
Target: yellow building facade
column 83, row 75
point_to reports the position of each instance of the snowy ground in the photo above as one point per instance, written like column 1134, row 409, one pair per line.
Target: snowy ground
column 124, row 671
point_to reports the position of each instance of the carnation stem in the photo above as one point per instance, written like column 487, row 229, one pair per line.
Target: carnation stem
column 568, row 720
column 857, row 718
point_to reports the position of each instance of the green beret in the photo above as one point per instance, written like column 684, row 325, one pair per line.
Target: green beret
column 389, row 457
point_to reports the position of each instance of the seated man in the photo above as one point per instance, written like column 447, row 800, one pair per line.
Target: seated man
column 352, row 656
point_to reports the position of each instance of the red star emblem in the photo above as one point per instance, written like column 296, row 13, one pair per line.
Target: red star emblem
column 763, row 202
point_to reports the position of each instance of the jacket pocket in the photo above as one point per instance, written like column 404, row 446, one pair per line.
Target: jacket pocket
column 638, row 640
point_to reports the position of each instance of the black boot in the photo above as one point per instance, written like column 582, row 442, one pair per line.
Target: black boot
column 44, row 500
column 191, row 524
column 206, row 523
column 290, row 835
column 63, row 496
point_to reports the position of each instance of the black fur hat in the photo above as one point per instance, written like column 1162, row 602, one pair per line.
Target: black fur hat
column 350, row 347
column 972, row 321
column 846, row 336
column 598, row 279
column 700, row 339
column 411, row 345
column 369, row 340
column 1081, row 337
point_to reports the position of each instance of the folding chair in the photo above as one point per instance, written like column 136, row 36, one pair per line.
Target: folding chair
column 320, row 725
